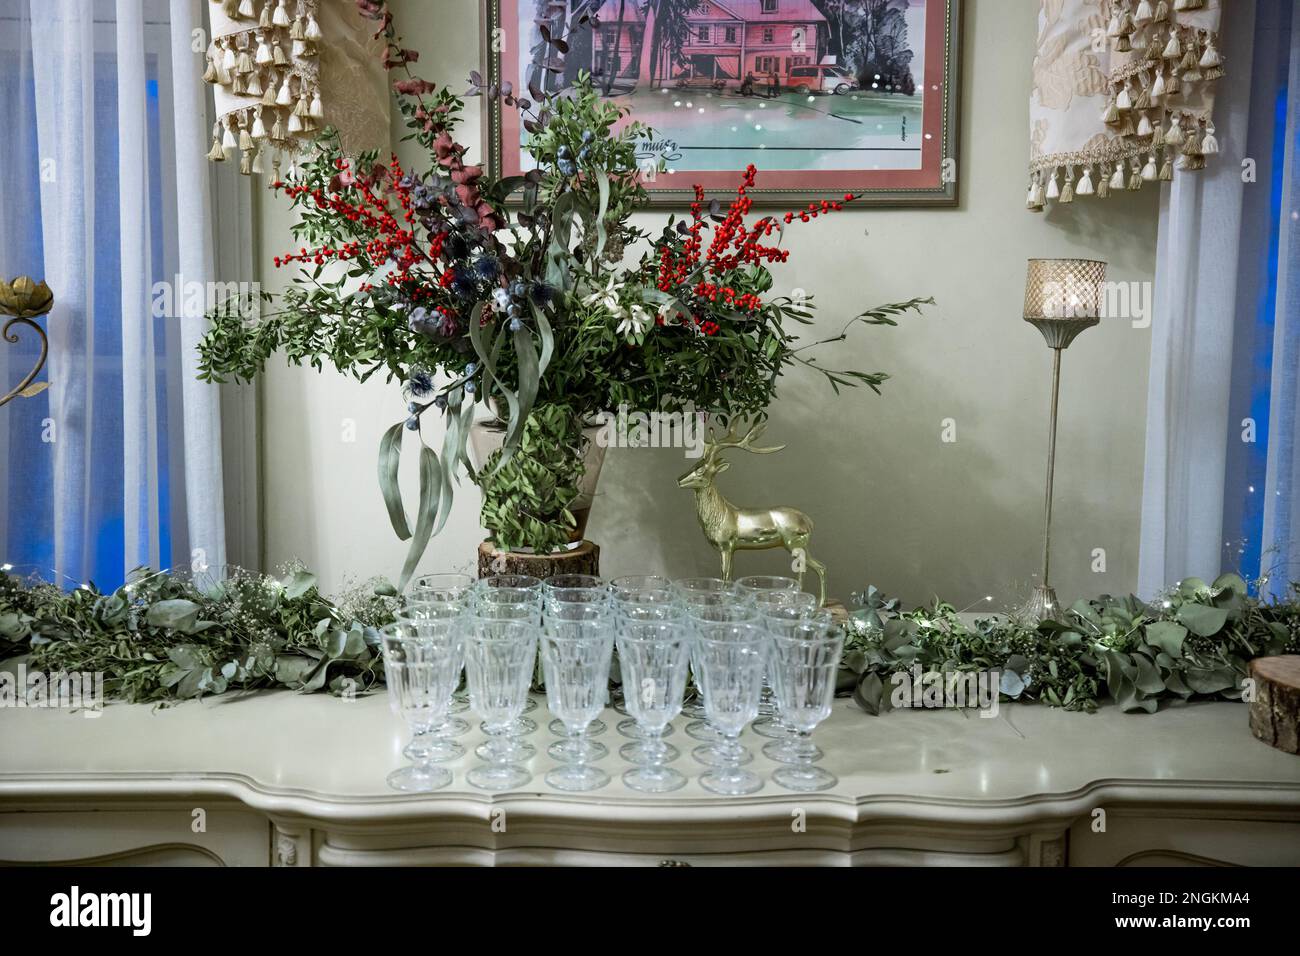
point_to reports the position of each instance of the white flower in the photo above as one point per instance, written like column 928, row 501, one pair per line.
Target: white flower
column 500, row 299
column 635, row 323
column 607, row 297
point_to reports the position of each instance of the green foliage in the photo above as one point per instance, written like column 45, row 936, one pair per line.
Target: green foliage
column 1196, row 640
column 159, row 638
column 526, row 500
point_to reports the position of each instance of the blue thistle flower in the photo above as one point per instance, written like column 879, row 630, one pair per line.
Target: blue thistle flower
column 420, row 382
column 487, row 267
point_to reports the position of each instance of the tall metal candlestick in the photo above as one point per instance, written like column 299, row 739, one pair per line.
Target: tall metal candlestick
column 1062, row 298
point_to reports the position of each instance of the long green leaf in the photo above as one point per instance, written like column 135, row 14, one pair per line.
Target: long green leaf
column 548, row 340
column 529, row 381
column 430, row 488
column 390, row 453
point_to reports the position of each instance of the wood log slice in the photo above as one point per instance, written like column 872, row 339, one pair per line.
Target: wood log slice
column 584, row 559
column 1275, row 711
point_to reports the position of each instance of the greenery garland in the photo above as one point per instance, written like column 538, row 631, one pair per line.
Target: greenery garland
column 163, row 638
column 1196, row 639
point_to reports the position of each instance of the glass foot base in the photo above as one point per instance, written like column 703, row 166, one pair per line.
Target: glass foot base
column 804, row 778
column 518, row 727
column 419, row 779
column 594, row 729
column 577, row 778
column 530, row 705
column 711, row 756
column 731, row 782
column 783, row 751
column 433, row 750
column 568, row 751
column 498, row 777
column 770, row 727
column 703, row 730
column 454, row 727
column 630, row 728
column 656, row 780
column 635, row 752
column 512, row 752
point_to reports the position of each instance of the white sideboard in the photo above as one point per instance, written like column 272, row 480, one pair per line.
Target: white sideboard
column 275, row 778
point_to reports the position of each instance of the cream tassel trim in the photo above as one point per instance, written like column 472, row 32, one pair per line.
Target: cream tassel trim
column 1144, row 127
column 317, row 111
column 1085, row 187
column 1135, row 178
column 285, row 97
column 1158, row 87
column 216, row 154
column 1172, row 50
column 264, row 21
column 313, row 31
column 1067, row 191
column 281, row 16
column 1103, row 182
column 246, row 9
column 1167, row 167
column 1149, row 173
column 255, row 84
column 1117, row 177
column 228, row 142
column 1143, row 16
column 1162, row 11
column 259, row 127
column 1174, row 136
column 263, row 49
column 1209, row 142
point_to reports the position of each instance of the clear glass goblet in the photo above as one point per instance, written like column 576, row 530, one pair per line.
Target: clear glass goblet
column 734, row 611
column 648, row 606
column 748, row 587
column 415, row 612
column 514, row 607
column 652, row 655
column 422, row 667
column 780, row 610
column 444, row 588
column 499, row 658
column 804, row 662
column 731, row 658
column 576, row 657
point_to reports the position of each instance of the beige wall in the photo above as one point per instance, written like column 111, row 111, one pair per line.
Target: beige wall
column 894, row 504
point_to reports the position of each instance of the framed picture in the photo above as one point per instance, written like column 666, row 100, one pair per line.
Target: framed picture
column 825, row 97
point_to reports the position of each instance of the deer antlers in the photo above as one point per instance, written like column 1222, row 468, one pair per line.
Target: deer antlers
column 713, row 444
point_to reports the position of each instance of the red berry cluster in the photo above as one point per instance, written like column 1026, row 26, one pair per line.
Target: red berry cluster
column 734, row 245
column 352, row 199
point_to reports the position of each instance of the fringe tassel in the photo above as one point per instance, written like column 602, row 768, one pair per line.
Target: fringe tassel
column 1122, row 100
column 1117, row 177
column 1054, row 186
column 210, row 74
column 1067, row 191
column 269, row 97
column 259, row 127
column 258, row 168
column 277, row 130
column 1209, row 142
column 255, row 84
column 1172, row 50
column 1167, row 167
column 1149, row 172
column 1174, row 86
column 228, row 141
column 277, row 55
column 298, row 29
column 216, row 154
column 1103, row 182
column 281, row 16
column 1085, row 187
column 1144, row 127
column 1110, row 116
column 317, row 110
column 299, row 49
column 246, row 9
column 1174, row 137
column 1158, row 87
column 1135, row 178
column 1143, row 15
column 285, row 96
column 313, row 31
column 1162, row 11
column 1157, row 134
column 246, row 162
column 264, row 21
column 230, row 7
column 263, row 49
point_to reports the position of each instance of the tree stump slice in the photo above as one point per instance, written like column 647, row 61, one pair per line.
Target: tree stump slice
column 1275, row 711
column 584, row 559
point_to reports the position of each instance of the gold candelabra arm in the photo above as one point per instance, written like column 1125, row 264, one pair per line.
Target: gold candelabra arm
column 24, row 300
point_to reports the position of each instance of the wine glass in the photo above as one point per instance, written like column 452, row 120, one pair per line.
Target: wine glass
column 734, row 612
column 411, row 616
column 731, row 659
column 804, row 665
column 526, row 611
column 445, row 588
column 652, row 655
column 576, row 656
column 577, row 618
column 755, row 584
column 779, row 609
column 499, row 656
column 421, row 669
column 632, row 613
column 786, row 619
column 633, row 584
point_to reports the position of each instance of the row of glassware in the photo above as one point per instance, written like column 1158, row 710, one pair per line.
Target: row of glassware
column 758, row 652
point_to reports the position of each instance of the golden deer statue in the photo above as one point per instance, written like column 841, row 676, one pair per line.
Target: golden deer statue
column 729, row 528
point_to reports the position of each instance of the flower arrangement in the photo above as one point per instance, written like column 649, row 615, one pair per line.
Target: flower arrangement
column 521, row 293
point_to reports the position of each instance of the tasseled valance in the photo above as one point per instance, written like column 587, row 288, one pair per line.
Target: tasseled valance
column 1123, row 94
column 282, row 70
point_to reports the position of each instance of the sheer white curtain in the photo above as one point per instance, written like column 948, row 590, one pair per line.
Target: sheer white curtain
column 1222, row 466
column 119, row 463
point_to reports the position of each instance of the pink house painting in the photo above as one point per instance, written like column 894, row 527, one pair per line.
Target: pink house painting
column 714, row 40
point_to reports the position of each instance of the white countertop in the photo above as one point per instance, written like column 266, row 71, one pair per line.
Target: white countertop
column 325, row 758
